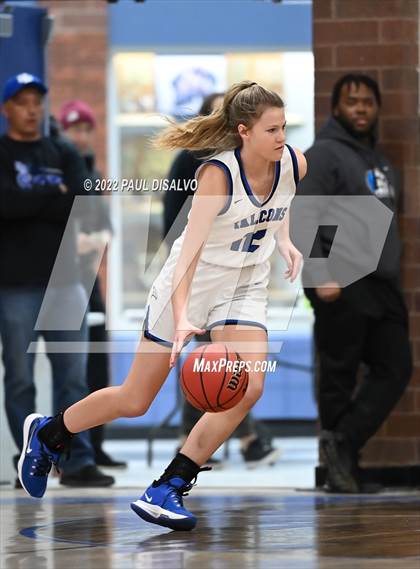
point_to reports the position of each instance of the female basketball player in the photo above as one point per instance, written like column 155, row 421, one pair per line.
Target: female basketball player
column 215, row 277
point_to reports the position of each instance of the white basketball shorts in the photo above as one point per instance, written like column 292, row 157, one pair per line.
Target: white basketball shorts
column 219, row 295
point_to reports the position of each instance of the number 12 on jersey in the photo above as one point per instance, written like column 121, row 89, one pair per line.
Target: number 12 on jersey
column 245, row 244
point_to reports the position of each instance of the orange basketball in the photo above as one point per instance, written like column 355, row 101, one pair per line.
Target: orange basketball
column 214, row 378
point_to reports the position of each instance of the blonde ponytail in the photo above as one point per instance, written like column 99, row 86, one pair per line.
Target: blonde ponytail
column 243, row 103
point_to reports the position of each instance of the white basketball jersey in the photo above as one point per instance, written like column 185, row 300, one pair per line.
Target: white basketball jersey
column 243, row 232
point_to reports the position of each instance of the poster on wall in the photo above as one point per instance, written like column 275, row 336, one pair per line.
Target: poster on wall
column 264, row 68
column 182, row 81
column 134, row 74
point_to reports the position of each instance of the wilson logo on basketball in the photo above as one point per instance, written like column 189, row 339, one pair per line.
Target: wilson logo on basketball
column 234, row 382
column 213, row 378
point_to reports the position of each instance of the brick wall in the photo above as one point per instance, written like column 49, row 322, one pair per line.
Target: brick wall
column 77, row 60
column 77, row 69
column 380, row 37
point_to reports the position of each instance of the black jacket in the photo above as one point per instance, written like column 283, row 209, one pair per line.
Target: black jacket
column 341, row 165
column 34, row 212
column 183, row 169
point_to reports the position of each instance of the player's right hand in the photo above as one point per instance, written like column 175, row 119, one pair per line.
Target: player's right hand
column 184, row 330
column 329, row 292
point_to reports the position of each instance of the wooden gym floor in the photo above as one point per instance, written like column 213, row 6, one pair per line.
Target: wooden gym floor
column 238, row 528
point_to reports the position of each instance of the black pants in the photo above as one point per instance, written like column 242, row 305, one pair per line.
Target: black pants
column 347, row 335
column 98, row 363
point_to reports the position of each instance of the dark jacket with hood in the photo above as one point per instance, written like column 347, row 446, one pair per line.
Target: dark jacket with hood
column 341, row 165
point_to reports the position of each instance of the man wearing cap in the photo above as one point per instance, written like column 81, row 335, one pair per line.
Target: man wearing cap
column 78, row 124
column 39, row 178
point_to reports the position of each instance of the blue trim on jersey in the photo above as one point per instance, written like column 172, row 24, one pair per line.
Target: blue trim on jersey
column 232, row 321
column 295, row 164
column 153, row 338
column 223, row 166
column 150, row 336
column 248, row 188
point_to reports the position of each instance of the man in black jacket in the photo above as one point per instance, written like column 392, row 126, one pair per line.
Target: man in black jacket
column 365, row 322
column 39, row 179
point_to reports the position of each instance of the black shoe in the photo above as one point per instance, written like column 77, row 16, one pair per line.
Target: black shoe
column 87, row 477
column 260, row 452
column 15, row 459
column 103, row 459
column 341, row 463
column 371, row 487
column 364, row 488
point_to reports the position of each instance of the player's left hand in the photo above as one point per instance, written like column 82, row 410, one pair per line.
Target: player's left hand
column 293, row 258
column 184, row 330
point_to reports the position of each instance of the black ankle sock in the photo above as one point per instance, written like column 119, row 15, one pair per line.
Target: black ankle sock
column 182, row 467
column 55, row 434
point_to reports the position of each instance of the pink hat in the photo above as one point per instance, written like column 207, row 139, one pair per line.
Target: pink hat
column 75, row 112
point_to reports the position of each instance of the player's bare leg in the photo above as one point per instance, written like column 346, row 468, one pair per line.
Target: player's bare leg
column 46, row 438
column 213, row 429
column 146, row 376
column 162, row 502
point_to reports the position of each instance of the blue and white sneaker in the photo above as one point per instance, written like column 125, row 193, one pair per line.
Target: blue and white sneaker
column 163, row 505
column 36, row 459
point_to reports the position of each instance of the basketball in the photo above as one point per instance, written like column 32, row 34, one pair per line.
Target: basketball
column 214, row 378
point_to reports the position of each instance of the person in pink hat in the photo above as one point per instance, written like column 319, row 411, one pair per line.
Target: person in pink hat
column 77, row 120
column 78, row 123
